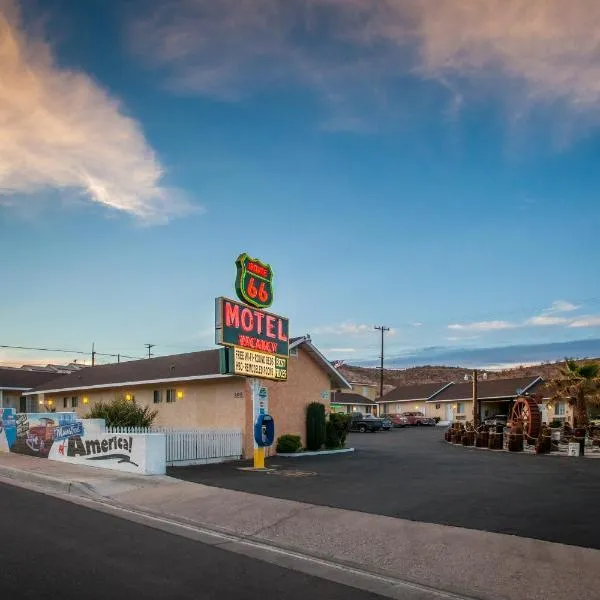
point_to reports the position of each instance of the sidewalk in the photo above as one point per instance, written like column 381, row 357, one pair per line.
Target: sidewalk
column 475, row 563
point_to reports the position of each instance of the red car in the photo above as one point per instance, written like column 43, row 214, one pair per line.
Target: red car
column 416, row 418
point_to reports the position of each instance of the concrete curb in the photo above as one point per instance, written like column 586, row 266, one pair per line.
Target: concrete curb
column 317, row 453
column 57, row 484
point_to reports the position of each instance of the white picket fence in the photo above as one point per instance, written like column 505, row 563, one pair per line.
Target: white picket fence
column 194, row 446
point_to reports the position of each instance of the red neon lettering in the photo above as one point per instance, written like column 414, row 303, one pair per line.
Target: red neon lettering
column 254, row 268
column 260, row 317
column 232, row 315
column 270, row 326
column 250, row 342
column 280, row 335
column 246, row 319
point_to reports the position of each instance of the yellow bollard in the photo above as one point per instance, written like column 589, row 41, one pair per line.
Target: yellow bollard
column 259, row 458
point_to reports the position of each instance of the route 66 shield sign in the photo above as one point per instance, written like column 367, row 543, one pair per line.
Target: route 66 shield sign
column 254, row 282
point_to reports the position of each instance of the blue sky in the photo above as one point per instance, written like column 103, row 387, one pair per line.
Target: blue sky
column 441, row 180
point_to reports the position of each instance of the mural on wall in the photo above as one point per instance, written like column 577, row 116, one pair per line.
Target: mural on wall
column 63, row 437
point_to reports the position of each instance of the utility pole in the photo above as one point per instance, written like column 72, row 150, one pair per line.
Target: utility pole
column 150, row 346
column 475, row 401
column 93, row 355
column 383, row 329
column 118, row 358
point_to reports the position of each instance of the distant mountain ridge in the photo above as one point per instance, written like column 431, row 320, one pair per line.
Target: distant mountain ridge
column 442, row 374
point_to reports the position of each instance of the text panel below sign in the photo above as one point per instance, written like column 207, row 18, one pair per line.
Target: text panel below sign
column 258, row 364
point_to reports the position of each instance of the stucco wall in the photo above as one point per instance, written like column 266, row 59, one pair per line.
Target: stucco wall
column 11, row 399
column 288, row 400
column 215, row 403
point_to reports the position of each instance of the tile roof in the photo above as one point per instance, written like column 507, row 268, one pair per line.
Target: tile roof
column 176, row 366
column 13, row 379
column 349, row 398
column 420, row 391
column 486, row 389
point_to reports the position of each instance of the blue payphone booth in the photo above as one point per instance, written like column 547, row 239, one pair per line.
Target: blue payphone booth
column 264, row 431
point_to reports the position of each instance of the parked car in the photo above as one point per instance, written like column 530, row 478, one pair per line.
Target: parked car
column 364, row 423
column 417, row 418
column 496, row 420
column 397, row 420
column 386, row 424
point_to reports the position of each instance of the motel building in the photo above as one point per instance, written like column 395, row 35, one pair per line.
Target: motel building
column 190, row 391
column 452, row 402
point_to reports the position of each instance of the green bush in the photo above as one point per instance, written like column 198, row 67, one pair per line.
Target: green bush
column 123, row 413
column 315, row 426
column 556, row 423
column 288, row 443
column 337, row 430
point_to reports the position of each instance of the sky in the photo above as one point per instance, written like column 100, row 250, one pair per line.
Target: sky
column 427, row 166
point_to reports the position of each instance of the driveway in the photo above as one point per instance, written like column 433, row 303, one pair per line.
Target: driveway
column 413, row 474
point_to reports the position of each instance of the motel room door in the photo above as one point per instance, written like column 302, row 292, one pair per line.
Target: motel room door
column 449, row 411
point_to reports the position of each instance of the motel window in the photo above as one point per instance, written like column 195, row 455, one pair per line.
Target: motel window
column 559, row 409
column 74, row 402
column 438, row 405
column 171, row 396
column 157, row 397
column 65, row 403
column 460, row 407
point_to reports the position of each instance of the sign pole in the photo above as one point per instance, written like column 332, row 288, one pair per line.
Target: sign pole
column 259, row 452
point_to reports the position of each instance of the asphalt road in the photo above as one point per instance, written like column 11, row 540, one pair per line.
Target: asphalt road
column 413, row 474
column 54, row 549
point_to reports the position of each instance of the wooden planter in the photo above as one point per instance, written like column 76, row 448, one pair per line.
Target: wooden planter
column 482, row 439
column 515, row 442
column 495, row 440
column 543, row 444
column 468, row 438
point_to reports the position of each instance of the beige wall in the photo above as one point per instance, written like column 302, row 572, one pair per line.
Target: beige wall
column 11, row 399
column 369, row 391
column 217, row 403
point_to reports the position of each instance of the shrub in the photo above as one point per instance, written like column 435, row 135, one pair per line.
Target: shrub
column 336, row 431
column 288, row 443
column 556, row 423
column 315, row 426
column 123, row 413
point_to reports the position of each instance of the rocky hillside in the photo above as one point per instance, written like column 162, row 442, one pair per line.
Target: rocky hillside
column 441, row 374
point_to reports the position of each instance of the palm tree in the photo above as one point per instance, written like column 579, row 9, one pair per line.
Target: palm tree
column 580, row 386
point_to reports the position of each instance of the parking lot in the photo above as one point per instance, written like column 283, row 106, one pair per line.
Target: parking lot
column 413, row 474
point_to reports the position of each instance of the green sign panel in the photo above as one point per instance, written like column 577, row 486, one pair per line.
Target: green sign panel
column 254, row 282
column 243, row 326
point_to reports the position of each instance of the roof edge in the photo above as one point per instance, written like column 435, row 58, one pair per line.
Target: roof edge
column 99, row 386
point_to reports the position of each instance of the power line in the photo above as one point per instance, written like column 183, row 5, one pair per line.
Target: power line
column 150, row 346
column 64, row 351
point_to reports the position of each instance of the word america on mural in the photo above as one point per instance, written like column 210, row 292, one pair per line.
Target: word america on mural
column 64, row 437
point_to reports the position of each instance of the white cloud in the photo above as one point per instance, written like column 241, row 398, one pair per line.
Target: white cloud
column 341, row 350
column 586, row 321
column 533, row 51
column 417, row 324
column 544, row 320
column 61, row 131
column 483, row 326
column 559, row 306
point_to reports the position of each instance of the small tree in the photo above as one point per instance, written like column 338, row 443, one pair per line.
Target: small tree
column 123, row 413
column 315, row 426
column 580, row 386
column 338, row 427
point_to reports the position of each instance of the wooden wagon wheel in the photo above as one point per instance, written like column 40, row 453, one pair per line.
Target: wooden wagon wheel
column 527, row 412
